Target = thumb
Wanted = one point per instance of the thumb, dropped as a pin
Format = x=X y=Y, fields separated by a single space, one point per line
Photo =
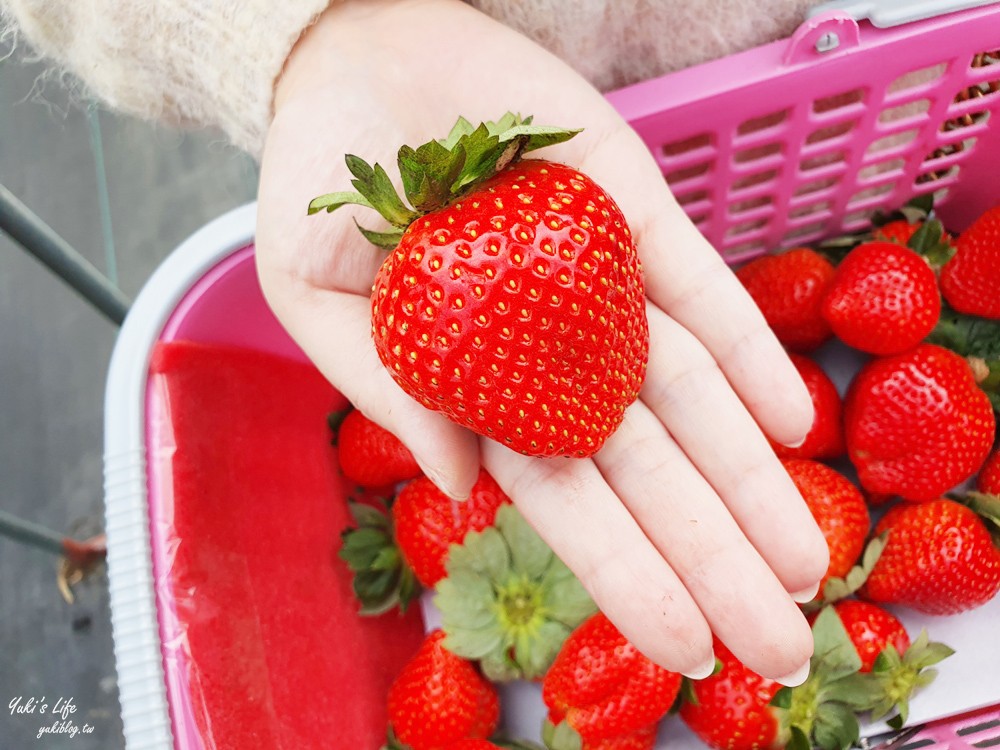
x=334 y=330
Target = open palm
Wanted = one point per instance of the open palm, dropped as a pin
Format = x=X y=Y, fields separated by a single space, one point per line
x=684 y=523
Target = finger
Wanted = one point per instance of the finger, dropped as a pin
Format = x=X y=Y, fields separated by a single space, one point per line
x=333 y=330
x=688 y=279
x=573 y=509
x=688 y=392
x=739 y=595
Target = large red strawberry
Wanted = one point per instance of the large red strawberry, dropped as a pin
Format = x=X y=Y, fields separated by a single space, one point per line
x=387 y=554
x=511 y=300
x=789 y=288
x=839 y=509
x=439 y=698
x=939 y=559
x=970 y=281
x=884 y=298
x=369 y=454
x=600 y=688
x=916 y=424
x=826 y=436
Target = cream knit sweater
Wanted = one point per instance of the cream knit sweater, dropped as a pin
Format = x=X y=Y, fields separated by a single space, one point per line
x=214 y=62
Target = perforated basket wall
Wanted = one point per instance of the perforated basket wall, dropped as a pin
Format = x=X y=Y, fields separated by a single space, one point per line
x=787 y=144
x=977 y=730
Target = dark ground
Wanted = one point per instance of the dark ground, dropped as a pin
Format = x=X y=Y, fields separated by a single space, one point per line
x=54 y=352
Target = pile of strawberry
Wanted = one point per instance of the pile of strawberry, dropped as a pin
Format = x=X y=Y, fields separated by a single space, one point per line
x=917 y=421
x=510 y=610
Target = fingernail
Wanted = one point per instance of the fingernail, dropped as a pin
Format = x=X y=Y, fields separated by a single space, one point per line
x=799 y=443
x=795 y=678
x=704 y=669
x=439 y=481
x=805 y=595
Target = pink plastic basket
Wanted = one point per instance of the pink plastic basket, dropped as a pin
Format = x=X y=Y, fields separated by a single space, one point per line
x=787 y=144
x=778 y=146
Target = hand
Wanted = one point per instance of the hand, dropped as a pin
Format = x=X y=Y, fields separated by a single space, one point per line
x=684 y=523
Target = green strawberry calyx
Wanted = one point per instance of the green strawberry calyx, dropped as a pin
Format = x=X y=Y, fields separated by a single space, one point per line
x=438 y=172
x=836 y=589
x=899 y=676
x=978 y=340
x=823 y=711
x=382 y=579
x=508 y=601
x=561 y=736
x=931 y=242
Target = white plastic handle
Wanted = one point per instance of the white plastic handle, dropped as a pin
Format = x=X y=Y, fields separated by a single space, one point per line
x=886 y=13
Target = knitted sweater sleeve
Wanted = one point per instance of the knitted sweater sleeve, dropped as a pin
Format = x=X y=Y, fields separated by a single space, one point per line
x=200 y=62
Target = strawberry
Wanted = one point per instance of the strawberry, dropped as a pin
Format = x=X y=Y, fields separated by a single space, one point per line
x=988 y=480
x=884 y=299
x=839 y=509
x=970 y=281
x=369 y=454
x=939 y=559
x=428 y=522
x=439 y=698
x=871 y=629
x=731 y=709
x=508 y=602
x=737 y=709
x=472 y=745
x=600 y=686
x=883 y=645
x=916 y=424
x=899 y=231
x=789 y=289
x=641 y=739
x=386 y=555
x=511 y=300
x=826 y=436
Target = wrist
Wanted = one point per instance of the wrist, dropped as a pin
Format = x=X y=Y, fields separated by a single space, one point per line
x=346 y=40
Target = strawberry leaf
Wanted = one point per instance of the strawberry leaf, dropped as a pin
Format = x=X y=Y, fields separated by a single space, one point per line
x=858 y=691
x=836 y=727
x=798 y=740
x=428 y=174
x=836 y=589
x=367 y=516
x=538 y=136
x=508 y=602
x=333 y=201
x=382 y=579
x=834 y=654
x=782 y=699
x=561 y=736
x=899 y=677
x=929 y=241
x=439 y=172
x=385 y=240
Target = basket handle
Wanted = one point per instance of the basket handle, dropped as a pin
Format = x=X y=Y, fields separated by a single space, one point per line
x=887 y=13
x=821 y=36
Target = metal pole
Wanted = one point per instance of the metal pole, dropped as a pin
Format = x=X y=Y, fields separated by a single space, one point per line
x=39 y=239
